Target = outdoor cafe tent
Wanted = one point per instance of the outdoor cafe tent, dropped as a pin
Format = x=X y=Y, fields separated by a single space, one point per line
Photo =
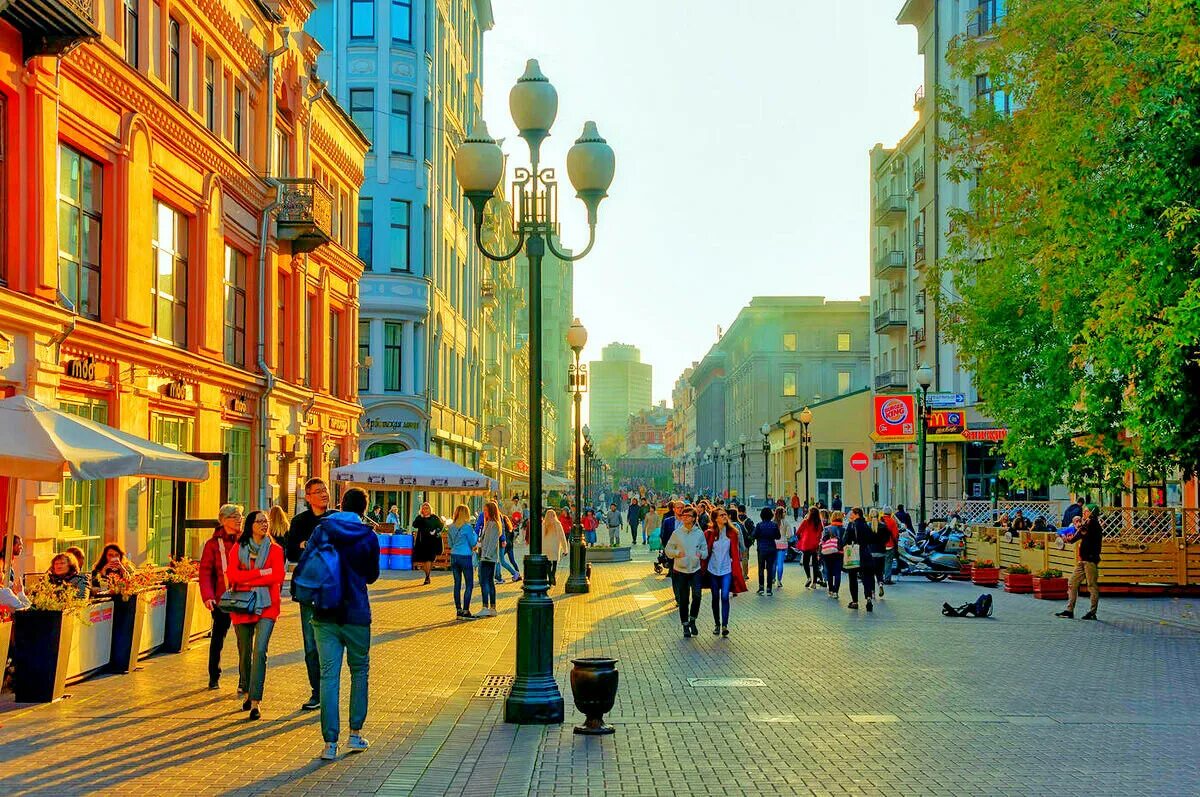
x=550 y=483
x=413 y=471
x=39 y=443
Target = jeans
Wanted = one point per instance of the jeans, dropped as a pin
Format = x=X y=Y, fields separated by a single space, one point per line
x=889 y=564
x=720 y=586
x=684 y=584
x=463 y=568
x=252 y=639
x=504 y=563
x=487 y=583
x=796 y=513
x=590 y=536
x=332 y=639
x=633 y=530
x=780 y=558
x=312 y=662
x=614 y=536
x=216 y=643
x=553 y=572
x=811 y=571
x=877 y=561
x=511 y=555
x=867 y=574
x=1085 y=572
x=833 y=567
x=766 y=568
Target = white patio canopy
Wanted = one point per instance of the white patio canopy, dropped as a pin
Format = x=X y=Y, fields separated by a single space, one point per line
x=413 y=471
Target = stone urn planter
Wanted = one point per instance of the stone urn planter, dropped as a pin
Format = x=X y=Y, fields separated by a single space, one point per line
x=1051 y=588
x=597 y=553
x=985 y=574
x=594 y=686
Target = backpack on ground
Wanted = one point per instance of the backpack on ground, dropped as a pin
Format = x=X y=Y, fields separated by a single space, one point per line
x=980 y=607
x=317 y=579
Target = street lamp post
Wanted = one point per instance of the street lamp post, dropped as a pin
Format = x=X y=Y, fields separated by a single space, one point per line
x=924 y=379
x=766 y=449
x=742 y=492
x=588 y=481
x=479 y=166
x=728 y=469
x=577 y=384
x=805 y=441
x=716 y=458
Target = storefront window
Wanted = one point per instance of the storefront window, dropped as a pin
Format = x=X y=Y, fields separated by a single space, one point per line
x=174 y=432
x=235 y=441
x=81 y=504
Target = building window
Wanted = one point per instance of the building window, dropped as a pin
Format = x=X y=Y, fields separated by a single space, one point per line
x=81 y=504
x=362 y=111
x=131 y=33
x=235 y=441
x=306 y=353
x=402 y=21
x=335 y=353
x=987 y=93
x=789 y=341
x=400 y=123
x=843 y=341
x=235 y=307
x=393 y=335
x=177 y=433
x=843 y=382
x=789 y=383
x=362 y=19
x=366 y=229
x=281 y=303
x=170 y=266
x=364 y=354
x=239 y=102
x=79 y=199
x=173 y=58
x=210 y=94
x=283 y=153
x=399 y=238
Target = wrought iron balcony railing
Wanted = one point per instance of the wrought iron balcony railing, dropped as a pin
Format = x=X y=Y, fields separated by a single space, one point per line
x=305 y=214
x=893 y=317
x=890 y=263
x=891 y=380
x=50 y=27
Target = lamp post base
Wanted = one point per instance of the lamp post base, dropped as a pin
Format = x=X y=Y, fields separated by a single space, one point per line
x=535 y=699
x=577 y=583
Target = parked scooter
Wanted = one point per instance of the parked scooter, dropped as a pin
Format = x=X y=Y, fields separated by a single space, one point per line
x=929 y=559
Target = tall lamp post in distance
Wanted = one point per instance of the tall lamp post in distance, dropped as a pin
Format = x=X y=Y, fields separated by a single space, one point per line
x=728 y=470
x=479 y=166
x=577 y=386
x=765 y=430
x=742 y=493
x=806 y=417
x=587 y=466
x=924 y=379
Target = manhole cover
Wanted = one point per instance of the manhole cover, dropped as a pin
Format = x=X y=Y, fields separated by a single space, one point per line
x=496 y=687
x=704 y=683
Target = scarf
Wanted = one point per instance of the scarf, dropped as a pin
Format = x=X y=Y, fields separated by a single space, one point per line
x=259 y=551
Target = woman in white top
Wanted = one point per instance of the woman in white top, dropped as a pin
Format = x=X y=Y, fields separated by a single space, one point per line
x=554 y=542
x=724 y=568
x=787 y=527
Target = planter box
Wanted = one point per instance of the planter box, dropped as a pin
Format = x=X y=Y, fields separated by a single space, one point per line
x=128 y=619
x=1050 y=589
x=154 y=621
x=620 y=554
x=91 y=643
x=962 y=575
x=985 y=576
x=5 y=636
x=42 y=642
x=186 y=616
x=1020 y=583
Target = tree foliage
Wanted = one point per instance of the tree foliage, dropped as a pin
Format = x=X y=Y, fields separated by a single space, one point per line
x=1076 y=272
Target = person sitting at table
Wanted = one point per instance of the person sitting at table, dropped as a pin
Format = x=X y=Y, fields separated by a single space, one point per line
x=393 y=517
x=64 y=573
x=1071 y=528
x=77 y=554
x=112 y=563
x=1039 y=524
x=1020 y=522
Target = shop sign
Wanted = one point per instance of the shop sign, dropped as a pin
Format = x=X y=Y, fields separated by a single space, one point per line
x=944 y=421
x=374 y=425
x=895 y=416
x=84 y=369
x=985 y=435
x=238 y=404
x=945 y=400
x=176 y=389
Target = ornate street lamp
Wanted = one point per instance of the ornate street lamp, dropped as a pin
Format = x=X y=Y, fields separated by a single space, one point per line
x=716 y=458
x=728 y=469
x=765 y=430
x=479 y=165
x=742 y=493
x=805 y=442
x=577 y=386
x=924 y=379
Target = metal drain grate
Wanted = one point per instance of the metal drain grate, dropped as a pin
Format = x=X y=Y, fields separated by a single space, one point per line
x=496 y=687
x=702 y=683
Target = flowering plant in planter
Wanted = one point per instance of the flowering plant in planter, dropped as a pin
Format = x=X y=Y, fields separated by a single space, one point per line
x=1049 y=572
x=1049 y=584
x=182 y=570
x=65 y=598
x=984 y=564
x=125 y=586
x=1018 y=570
x=1018 y=579
x=985 y=573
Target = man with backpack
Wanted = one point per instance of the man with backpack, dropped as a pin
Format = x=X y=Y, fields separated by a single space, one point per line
x=316 y=495
x=339 y=561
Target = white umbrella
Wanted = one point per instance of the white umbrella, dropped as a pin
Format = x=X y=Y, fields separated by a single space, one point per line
x=39 y=443
x=414 y=470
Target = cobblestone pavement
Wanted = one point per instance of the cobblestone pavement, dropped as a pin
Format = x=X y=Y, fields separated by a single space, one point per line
x=900 y=702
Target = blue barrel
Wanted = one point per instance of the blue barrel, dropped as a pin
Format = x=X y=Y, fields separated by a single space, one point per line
x=385 y=551
x=401 y=552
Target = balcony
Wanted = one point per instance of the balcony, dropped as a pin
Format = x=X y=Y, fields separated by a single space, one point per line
x=50 y=27
x=918 y=173
x=895 y=317
x=305 y=214
x=890 y=264
x=919 y=98
x=487 y=292
x=919 y=252
x=890 y=207
x=891 y=381
x=918 y=336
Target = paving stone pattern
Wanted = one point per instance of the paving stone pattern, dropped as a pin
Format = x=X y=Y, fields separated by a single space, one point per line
x=900 y=702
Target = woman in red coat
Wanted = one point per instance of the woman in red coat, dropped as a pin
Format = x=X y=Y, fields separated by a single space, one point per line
x=810 y=543
x=723 y=567
x=255 y=570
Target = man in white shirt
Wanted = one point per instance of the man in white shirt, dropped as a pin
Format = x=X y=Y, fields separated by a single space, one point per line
x=688 y=548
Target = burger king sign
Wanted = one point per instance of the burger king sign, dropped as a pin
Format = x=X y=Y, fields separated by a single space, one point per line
x=895 y=416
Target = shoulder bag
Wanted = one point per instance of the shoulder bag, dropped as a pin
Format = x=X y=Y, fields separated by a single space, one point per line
x=852 y=553
x=239 y=601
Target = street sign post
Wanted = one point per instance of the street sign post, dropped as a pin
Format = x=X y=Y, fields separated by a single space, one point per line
x=945 y=401
x=860 y=462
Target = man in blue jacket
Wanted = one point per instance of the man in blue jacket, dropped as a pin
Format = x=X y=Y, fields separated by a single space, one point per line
x=348 y=627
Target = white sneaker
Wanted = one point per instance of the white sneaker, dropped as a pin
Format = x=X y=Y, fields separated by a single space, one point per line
x=357 y=743
x=330 y=753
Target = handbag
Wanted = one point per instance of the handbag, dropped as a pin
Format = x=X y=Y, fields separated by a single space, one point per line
x=240 y=601
x=851 y=556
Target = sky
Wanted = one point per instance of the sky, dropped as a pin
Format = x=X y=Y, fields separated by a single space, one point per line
x=742 y=130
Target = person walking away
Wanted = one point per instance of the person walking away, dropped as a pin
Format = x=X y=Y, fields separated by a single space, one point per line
x=765 y=535
x=836 y=503
x=316 y=495
x=650 y=521
x=831 y=552
x=781 y=544
x=810 y=544
x=613 y=521
x=279 y=524
x=1089 y=540
x=214 y=564
x=554 y=542
x=346 y=628
x=635 y=520
x=745 y=540
x=902 y=517
x=889 y=547
x=256 y=569
x=858 y=533
x=879 y=552
x=463 y=540
x=427 y=539
x=687 y=549
x=724 y=568
x=795 y=505
x=508 y=559
x=589 y=524
x=490 y=544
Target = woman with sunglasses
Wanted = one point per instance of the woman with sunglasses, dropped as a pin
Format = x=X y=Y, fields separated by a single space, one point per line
x=724 y=567
x=255 y=572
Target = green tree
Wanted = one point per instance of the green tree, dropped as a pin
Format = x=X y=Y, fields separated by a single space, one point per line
x=1075 y=294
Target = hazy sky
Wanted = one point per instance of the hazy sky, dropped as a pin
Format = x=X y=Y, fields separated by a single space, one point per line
x=742 y=132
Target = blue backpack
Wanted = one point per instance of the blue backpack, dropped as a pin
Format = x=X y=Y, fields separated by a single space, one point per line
x=317 y=579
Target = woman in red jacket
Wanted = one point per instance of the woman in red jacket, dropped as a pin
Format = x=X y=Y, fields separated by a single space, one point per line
x=810 y=544
x=255 y=574
x=214 y=564
x=723 y=567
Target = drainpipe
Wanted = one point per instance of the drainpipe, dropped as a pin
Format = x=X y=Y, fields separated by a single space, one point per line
x=937 y=208
x=61 y=337
x=264 y=437
x=321 y=87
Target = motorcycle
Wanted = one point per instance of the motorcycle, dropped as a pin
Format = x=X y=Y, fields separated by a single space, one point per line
x=931 y=559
